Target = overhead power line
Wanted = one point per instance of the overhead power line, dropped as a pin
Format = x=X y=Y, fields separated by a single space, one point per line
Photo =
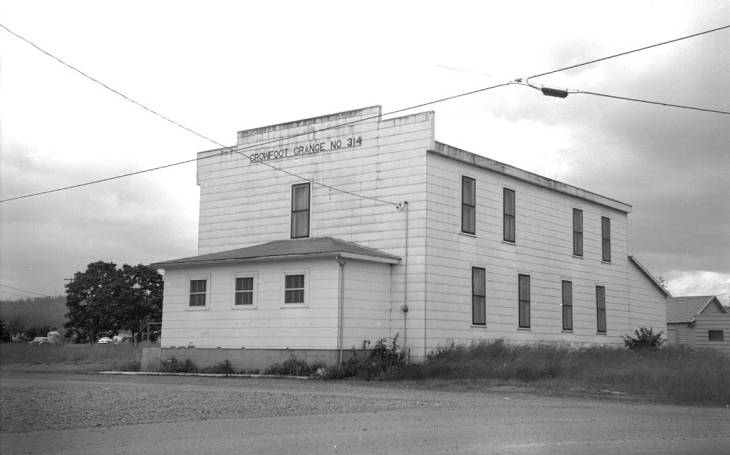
x=563 y=93
x=620 y=54
x=23 y=290
x=238 y=150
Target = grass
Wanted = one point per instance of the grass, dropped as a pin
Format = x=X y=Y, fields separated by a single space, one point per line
x=671 y=374
x=84 y=357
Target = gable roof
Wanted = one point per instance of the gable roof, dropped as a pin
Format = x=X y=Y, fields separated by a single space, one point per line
x=684 y=309
x=644 y=270
x=285 y=249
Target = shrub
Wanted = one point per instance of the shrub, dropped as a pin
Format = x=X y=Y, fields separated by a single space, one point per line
x=292 y=367
x=643 y=339
x=381 y=361
x=173 y=365
x=223 y=367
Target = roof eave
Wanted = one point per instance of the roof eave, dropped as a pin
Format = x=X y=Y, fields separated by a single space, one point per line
x=280 y=257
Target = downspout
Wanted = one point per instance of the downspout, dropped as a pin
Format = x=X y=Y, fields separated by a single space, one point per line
x=404 y=308
x=340 y=308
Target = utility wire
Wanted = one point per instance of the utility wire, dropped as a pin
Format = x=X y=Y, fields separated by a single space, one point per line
x=518 y=81
x=660 y=103
x=23 y=290
x=590 y=62
x=565 y=93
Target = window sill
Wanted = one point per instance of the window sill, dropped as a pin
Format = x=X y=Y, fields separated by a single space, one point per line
x=578 y=257
x=602 y=334
x=467 y=234
x=243 y=307
x=507 y=242
x=479 y=326
x=524 y=329
x=606 y=262
x=566 y=331
x=198 y=308
x=294 y=305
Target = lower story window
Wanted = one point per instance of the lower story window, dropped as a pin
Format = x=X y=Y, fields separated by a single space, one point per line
x=601 y=309
x=294 y=289
x=478 y=297
x=244 y=290
x=715 y=335
x=524 y=301
x=198 y=290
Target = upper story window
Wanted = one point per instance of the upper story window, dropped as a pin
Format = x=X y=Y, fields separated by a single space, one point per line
x=478 y=296
x=294 y=288
x=244 y=290
x=606 y=238
x=300 y=210
x=567 y=305
x=601 y=309
x=198 y=292
x=578 y=232
x=468 y=205
x=509 y=215
x=524 y=301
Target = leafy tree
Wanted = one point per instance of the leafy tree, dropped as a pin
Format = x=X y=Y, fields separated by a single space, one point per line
x=105 y=299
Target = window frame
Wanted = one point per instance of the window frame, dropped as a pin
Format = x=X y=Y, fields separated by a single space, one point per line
x=304 y=289
x=475 y=298
x=601 y=323
x=206 y=294
x=294 y=211
x=522 y=303
x=711 y=332
x=253 y=290
x=509 y=216
x=605 y=239
x=472 y=205
x=577 y=232
x=567 y=305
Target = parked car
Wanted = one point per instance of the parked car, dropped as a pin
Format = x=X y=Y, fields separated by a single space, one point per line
x=104 y=340
x=122 y=338
x=40 y=340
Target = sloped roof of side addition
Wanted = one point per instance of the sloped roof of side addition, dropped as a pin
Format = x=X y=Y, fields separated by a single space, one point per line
x=684 y=309
x=285 y=249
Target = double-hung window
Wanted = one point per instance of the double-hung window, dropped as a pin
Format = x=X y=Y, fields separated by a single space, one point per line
x=577 y=232
x=508 y=215
x=715 y=335
x=244 y=290
x=294 y=288
x=601 y=309
x=478 y=296
x=567 y=305
x=524 y=301
x=606 y=238
x=468 y=205
x=198 y=292
x=300 y=210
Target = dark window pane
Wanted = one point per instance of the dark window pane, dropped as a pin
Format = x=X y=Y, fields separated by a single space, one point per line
x=244 y=298
x=478 y=281
x=601 y=308
x=244 y=284
x=525 y=314
x=468 y=191
x=479 y=311
x=197 y=285
x=468 y=219
x=478 y=300
x=715 y=335
x=197 y=299
x=468 y=205
x=524 y=300
x=300 y=197
x=567 y=305
x=509 y=202
x=578 y=232
x=300 y=224
x=294 y=281
x=509 y=228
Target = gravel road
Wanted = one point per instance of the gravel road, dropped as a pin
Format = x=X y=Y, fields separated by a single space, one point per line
x=79 y=414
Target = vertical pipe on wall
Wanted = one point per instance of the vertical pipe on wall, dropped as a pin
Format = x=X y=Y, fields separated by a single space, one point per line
x=340 y=308
x=405 y=290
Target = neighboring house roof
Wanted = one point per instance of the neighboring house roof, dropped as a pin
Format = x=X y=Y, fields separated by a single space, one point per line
x=644 y=270
x=684 y=309
x=286 y=249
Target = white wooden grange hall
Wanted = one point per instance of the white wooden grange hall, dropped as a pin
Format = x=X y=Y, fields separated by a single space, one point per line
x=375 y=229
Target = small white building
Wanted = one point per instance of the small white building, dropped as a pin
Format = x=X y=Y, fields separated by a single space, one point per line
x=699 y=321
x=318 y=234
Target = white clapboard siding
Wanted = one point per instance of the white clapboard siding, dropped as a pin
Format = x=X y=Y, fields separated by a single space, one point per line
x=712 y=321
x=648 y=303
x=543 y=250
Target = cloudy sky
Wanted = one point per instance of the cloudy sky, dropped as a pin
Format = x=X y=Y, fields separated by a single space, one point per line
x=221 y=67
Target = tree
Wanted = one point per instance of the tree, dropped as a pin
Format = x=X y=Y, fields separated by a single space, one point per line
x=105 y=299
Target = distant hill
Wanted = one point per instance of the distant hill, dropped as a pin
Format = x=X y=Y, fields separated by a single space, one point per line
x=35 y=312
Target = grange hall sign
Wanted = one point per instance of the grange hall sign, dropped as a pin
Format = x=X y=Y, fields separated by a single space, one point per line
x=310 y=148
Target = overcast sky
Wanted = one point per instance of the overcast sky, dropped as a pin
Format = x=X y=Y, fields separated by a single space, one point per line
x=221 y=67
